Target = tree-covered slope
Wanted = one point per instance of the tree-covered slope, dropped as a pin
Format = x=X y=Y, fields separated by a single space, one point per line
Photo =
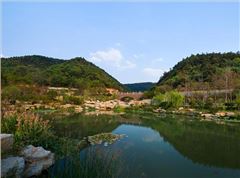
x=136 y=87
x=44 y=71
x=201 y=71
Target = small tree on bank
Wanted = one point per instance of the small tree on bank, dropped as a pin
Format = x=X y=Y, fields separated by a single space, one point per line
x=172 y=99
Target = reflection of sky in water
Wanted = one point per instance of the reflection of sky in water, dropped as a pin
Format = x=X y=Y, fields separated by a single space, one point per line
x=152 y=137
x=147 y=154
x=172 y=150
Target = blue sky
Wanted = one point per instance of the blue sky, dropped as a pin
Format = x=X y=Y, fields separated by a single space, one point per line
x=134 y=42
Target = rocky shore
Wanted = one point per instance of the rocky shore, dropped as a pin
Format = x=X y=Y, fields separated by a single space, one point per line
x=88 y=105
x=193 y=112
x=29 y=161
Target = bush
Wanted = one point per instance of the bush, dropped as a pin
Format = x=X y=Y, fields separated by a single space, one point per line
x=231 y=106
x=51 y=94
x=175 y=99
x=126 y=99
x=8 y=123
x=27 y=128
x=11 y=93
x=118 y=109
x=170 y=99
x=237 y=100
x=73 y=100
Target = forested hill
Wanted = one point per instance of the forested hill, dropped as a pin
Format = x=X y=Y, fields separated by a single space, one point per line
x=204 y=71
x=135 y=87
x=45 y=71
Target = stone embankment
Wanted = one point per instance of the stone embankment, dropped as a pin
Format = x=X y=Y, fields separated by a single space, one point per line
x=30 y=161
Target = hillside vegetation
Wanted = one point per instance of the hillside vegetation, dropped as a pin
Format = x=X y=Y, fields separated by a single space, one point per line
x=136 y=87
x=45 y=71
x=203 y=72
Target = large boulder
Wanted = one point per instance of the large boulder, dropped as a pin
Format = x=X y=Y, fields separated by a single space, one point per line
x=6 y=142
x=37 y=159
x=12 y=167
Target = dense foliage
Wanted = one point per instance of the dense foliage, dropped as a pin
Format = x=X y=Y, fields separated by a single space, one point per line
x=204 y=71
x=44 y=71
x=136 y=87
x=170 y=99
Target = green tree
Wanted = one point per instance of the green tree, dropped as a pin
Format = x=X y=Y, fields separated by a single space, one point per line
x=174 y=98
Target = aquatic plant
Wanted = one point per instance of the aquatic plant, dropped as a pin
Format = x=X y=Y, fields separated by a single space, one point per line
x=106 y=138
x=92 y=162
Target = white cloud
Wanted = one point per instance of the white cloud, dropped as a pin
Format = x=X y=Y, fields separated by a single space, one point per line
x=112 y=57
x=153 y=72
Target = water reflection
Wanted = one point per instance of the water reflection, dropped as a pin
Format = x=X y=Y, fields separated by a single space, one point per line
x=169 y=146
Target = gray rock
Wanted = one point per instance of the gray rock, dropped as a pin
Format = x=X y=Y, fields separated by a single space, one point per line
x=12 y=166
x=6 y=142
x=36 y=167
x=32 y=153
x=37 y=160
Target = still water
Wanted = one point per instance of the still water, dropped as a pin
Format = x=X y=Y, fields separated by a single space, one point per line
x=165 y=146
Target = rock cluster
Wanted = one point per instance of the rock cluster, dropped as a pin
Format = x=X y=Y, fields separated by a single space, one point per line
x=111 y=104
x=31 y=162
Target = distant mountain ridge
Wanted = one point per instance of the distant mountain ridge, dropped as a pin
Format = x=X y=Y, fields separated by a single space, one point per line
x=47 y=71
x=139 y=87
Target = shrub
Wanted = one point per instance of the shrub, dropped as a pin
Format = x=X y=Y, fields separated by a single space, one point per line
x=51 y=94
x=11 y=93
x=126 y=99
x=73 y=100
x=175 y=99
x=171 y=99
x=31 y=129
x=118 y=109
x=237 y=100
x=8 y=123
x=231 y=106
x=27 y=128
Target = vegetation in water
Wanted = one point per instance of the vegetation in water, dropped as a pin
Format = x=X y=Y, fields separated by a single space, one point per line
x=106 y=138
x=91 y=162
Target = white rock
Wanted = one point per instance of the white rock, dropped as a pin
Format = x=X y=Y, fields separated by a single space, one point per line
x=230 y=114
x=12 y=167
x=35 y=153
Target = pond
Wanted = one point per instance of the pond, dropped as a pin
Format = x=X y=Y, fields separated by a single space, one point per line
x=165 y=146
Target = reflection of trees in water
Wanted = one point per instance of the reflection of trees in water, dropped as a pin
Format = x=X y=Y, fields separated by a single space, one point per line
x=202 y=142
x=79 y=126
x=94 y=161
